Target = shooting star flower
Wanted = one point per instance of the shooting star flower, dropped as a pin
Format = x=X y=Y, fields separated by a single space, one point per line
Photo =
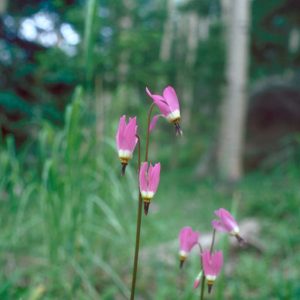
x=126 y=140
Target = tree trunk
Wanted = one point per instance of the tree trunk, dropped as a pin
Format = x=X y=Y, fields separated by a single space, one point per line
x=3 y=6
x=125 y=25
x=234 y=105
x=166 y=43
x=226 y=15
x=190 y=59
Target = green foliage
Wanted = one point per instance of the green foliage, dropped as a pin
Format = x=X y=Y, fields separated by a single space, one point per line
x=89 y=38
x=14 y=103
x=64 y=217
x=68 y=222
x=272 y=22
x=203 y=8
x=68 y=219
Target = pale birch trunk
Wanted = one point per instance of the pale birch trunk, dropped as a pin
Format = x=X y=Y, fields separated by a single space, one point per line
x=3 y=6
x=168 y=33
x=125 y=25
x=192 y=40
x=226 y=14
x=234 y=105
x=294 y=40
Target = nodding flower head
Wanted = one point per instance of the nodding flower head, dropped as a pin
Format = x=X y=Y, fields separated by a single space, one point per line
x=212 y=265
x=168 y=105
x=149 y=180
x=226 y=223
x=187 y=240
x=126 y=140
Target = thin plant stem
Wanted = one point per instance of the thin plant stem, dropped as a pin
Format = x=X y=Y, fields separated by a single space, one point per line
x=200 y=248
x=148 y=131
x=138 y=230
x=202 y=285
x=212 y=241
x=203 y=276
x=140 y=206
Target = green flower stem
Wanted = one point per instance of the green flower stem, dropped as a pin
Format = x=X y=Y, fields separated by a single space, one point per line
x=140 y=207
x=202 y=285
x=138 y=230
x=212 y=242
x=148 y=130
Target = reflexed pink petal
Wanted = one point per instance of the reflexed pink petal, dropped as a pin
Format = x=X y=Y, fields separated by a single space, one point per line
x=130 y=134
x=160 y=102
x=148 y=92
x=218 y=212
x=226 y=219
x=188 y=239
x=217 y=225
x=212 y=263
x=149 y=175
x=183 y=238
x=142 y=177
x=153 y=96
x=120 y=132
x=163 y=107
x=153 y=122
x=171 y=98
x=218 y=262
x=206 y=262
x=194 y=237
x=223 y=213
x=154 y=177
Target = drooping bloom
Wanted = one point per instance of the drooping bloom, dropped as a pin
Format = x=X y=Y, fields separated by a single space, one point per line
x=226 y=223
x=149 y=180
x=187 y=240
x=168 y=105
x=126 y=140
x=212 y=265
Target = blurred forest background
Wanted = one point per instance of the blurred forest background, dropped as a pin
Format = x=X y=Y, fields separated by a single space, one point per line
x=71 y=68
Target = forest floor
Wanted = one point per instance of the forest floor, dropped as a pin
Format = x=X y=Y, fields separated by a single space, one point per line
x=270 y=198
x=68 y=227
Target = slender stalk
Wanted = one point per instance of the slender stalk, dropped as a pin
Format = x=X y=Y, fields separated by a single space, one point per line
x=202 y=276
x=202 y=286
x=148 y=131
x=138 y=230
x=140 y=206
x=212 y=241
x=200 y=248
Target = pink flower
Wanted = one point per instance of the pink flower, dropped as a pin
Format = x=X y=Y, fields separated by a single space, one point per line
x=212 y=265
x=168 y=105
x=187 y=240
x=149 y=180
x=226 y=223
x=126 y=140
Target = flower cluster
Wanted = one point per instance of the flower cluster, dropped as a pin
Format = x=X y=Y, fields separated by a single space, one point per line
x=127 y=138
x=211 y=261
